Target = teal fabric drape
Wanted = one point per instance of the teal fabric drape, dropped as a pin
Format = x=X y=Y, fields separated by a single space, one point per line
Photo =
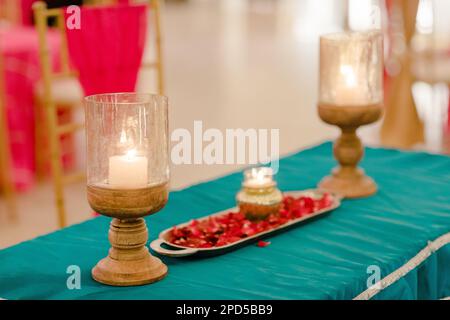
x=325 y=259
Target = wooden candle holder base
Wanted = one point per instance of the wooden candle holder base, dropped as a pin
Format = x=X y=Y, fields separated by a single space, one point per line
x=347 y=179
x=350 y=182
x=129 y=263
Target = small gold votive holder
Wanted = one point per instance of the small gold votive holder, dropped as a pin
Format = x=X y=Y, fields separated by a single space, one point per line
x=259 y=196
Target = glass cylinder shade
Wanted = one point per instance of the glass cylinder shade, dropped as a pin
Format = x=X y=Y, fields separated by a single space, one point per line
x=351 y=69
x=127 y=153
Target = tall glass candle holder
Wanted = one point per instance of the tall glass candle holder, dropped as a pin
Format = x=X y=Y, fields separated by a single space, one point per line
x=350 y=95
x=127 y=179
x=259 y=196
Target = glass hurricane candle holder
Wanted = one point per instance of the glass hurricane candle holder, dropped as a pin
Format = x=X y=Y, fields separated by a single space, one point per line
x=127 y=179
x=350 y=95
x=259 y=196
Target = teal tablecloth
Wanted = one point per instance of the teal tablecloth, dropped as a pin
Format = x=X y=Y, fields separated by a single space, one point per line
x=326 y=259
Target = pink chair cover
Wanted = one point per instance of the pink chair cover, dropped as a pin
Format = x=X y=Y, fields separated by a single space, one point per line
x=27 y=11
x=108 y=49
x=19 y=47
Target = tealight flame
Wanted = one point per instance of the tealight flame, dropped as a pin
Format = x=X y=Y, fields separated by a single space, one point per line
x=261 y=174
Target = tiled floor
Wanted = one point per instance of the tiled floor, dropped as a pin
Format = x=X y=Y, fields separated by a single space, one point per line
x=231 y=64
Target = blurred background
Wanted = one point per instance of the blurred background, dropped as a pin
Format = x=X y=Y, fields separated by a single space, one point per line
x=231 y=64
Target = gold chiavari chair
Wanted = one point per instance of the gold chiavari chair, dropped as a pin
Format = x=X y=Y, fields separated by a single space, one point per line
x=402 y=127
x=100 y=2
x=48 y=96
x=51 y=98
x=6 y=180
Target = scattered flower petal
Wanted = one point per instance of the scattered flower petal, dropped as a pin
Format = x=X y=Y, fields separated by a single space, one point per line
x=230 y=227
x=263 y=244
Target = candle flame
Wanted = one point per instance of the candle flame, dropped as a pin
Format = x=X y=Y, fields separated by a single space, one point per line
x=131 y=154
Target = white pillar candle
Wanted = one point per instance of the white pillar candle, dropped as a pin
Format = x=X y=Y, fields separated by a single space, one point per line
x=128 y=171
x=349 y=91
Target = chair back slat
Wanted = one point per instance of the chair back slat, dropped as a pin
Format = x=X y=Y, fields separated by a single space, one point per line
x=159 y=58
x=41 y=16
x=61 y=25
x=6 y=178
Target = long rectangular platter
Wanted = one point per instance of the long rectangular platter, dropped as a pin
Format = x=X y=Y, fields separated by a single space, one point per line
x=163 y=246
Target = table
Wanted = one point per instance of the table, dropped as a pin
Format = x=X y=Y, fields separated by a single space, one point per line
x=19 y=46
x=326 y=259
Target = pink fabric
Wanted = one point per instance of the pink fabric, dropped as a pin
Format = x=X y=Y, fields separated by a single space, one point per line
x=27 y=12
x=108 y=49
x=19 y=47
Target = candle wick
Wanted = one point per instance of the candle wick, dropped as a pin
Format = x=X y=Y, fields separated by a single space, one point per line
x=123 y=137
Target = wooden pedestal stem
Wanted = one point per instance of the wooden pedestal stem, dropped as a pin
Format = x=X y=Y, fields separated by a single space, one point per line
x=129 y=262
x=347 y=179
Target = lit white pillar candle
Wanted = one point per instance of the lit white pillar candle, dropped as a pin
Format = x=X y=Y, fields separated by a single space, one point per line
x=349 y=91
x=128 y=171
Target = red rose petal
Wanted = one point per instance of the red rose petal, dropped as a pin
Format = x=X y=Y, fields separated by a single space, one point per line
x=233 y=226
x=263 y=244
